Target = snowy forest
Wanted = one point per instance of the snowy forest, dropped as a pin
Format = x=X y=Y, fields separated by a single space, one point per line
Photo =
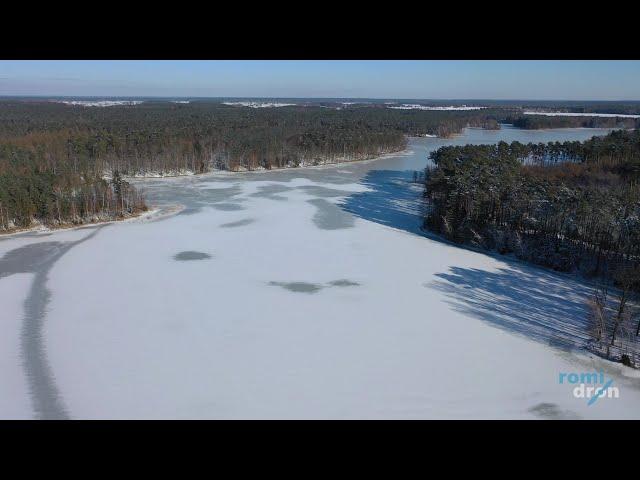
x=64 y=164
x=573 y=207
x=570 y=206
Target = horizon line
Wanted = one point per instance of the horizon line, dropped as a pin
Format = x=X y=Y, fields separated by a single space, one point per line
x=318 y=98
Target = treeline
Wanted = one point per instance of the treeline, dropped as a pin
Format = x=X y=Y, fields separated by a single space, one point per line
x=534 y=122
x=165 y=137
x=569 y=206
x=31 y=192
x=55 y=158
x=629 y=108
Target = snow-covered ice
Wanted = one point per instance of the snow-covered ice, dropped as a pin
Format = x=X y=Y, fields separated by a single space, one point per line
x=301 y=293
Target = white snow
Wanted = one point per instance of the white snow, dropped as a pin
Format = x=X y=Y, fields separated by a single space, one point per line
x=151 y=174
x=259 y=104
x=429 y=331
x=100 y=103
x=577 y=114
x=415 y=106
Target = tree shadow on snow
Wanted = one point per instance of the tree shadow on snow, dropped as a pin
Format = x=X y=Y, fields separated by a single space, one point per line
x=393 y=199
x=532 y=302
x=539 y=304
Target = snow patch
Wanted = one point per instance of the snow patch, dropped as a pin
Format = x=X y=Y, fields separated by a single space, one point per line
x=100 y=103
x=577 y=114
x=166 y=173
x=259 y=104
x=415 y=106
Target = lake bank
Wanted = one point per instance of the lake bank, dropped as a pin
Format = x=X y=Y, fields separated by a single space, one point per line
x=47 y=229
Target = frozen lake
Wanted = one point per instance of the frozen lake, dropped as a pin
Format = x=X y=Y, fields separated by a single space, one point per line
x=301 y=293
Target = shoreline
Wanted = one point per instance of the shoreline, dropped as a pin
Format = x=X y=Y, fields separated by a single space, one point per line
x=150 y=214
x=229 y=173
x=154 y=176
x=405 y=151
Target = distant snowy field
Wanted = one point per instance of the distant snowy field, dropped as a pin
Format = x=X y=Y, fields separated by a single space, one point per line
x=575 y=114
x=100 y=103
x=259 y=104
x=407 y=106
x=293 y=294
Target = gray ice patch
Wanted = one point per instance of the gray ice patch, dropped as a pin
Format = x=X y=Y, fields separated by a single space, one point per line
x=329 y=216
x=227 y=207
x=220 y=194
x=298 y=287
x=343 y=283
x=190 y=255
x=551 y=411
x=30 y=258
x=270 y=192
x=239 y=223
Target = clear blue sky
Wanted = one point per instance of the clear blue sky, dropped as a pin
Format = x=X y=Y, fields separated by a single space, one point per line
x=570 y=80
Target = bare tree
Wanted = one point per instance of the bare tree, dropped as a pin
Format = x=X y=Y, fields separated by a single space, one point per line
x=598 y=315
x=628 y=279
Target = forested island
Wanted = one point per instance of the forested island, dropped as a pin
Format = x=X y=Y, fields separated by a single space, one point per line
x=573 y=207
x=64 y=163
